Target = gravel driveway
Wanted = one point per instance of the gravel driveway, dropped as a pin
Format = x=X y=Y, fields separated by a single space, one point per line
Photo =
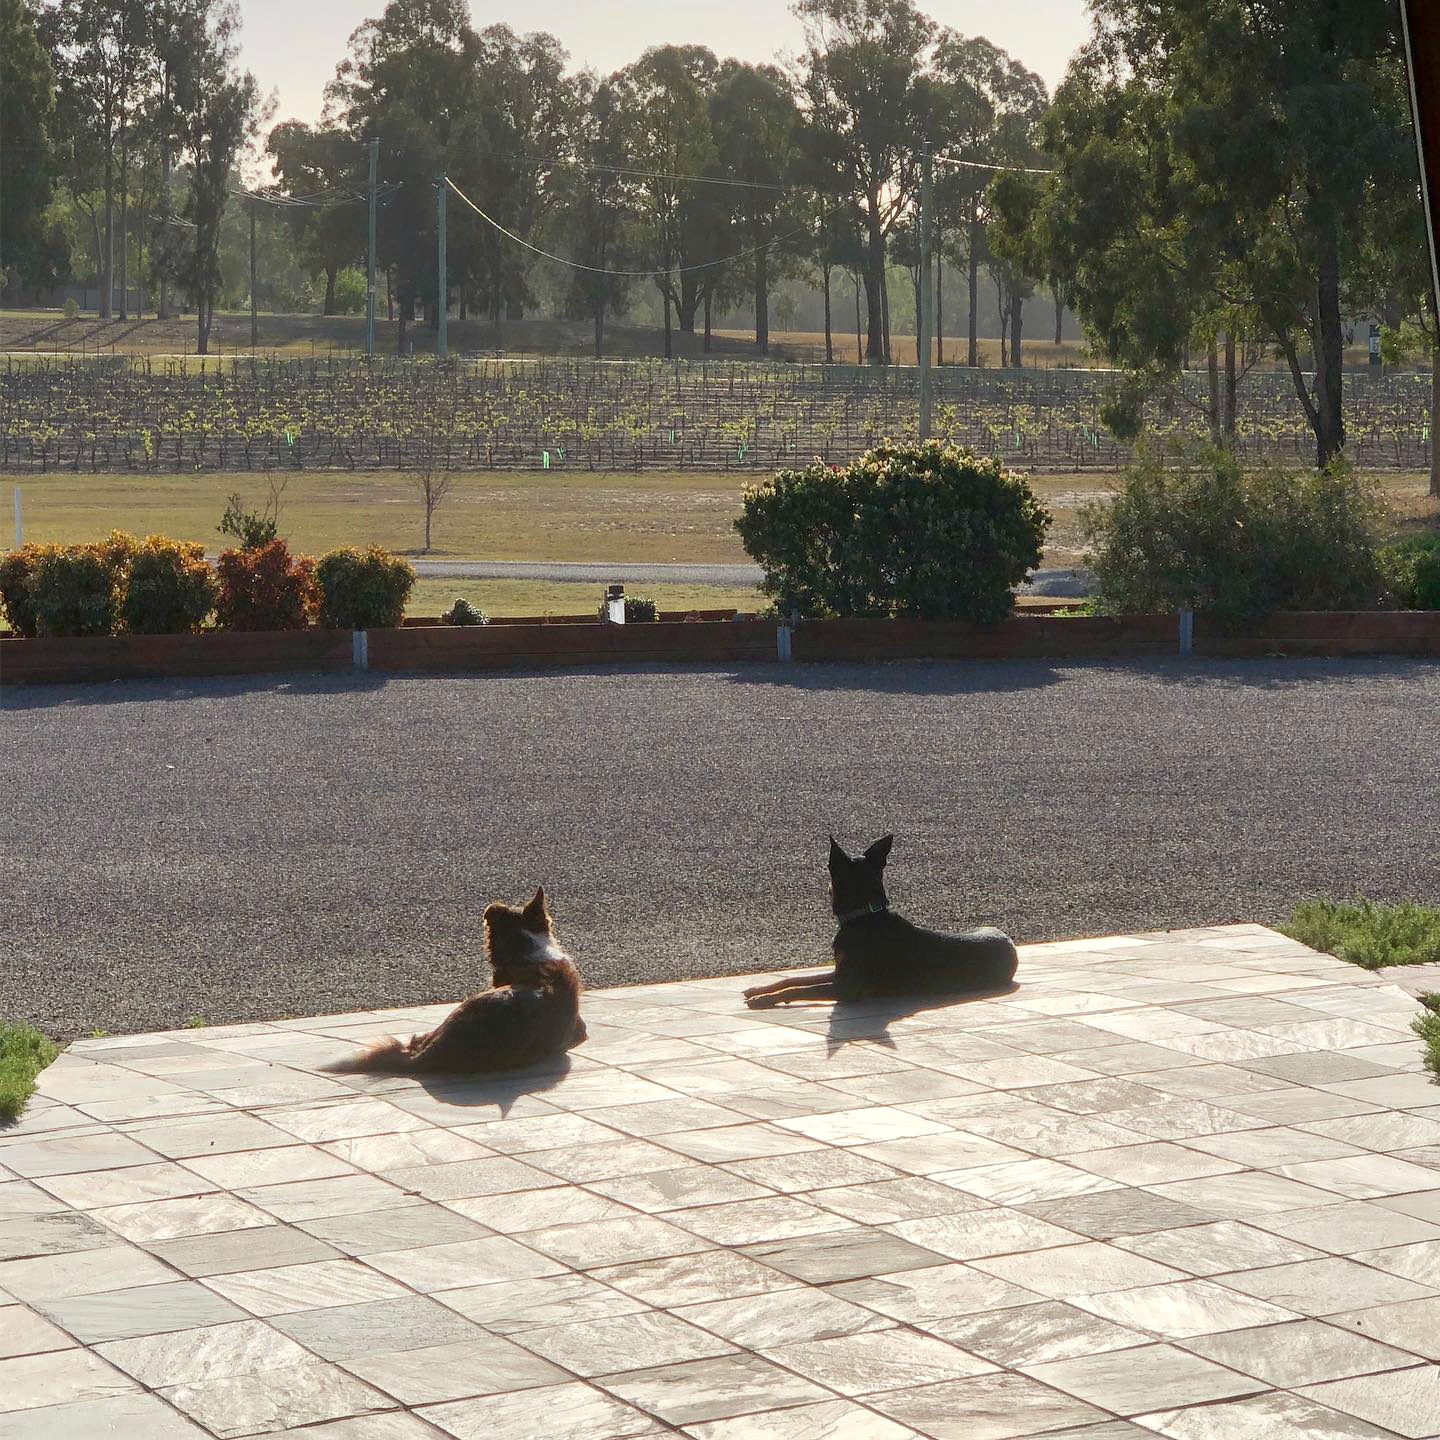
x=257 y=848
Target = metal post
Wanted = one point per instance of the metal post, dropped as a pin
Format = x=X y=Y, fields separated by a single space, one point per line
x=254 y=312
x=923 y=320
x=442 y=287
x=374 y=148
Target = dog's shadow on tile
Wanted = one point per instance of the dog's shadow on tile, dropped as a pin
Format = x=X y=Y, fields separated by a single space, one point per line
x=503 y=1089
x=870 y=1020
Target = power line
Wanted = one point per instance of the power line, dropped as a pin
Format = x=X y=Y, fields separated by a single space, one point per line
x=658 y=174
x=996 y=169
x=618 y=274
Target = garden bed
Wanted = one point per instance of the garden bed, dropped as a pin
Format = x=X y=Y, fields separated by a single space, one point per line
x=559 y=641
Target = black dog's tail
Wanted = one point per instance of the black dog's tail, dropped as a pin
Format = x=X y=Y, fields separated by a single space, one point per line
x=387 y=1056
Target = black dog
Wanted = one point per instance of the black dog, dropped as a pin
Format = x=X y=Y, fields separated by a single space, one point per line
x=878 y=953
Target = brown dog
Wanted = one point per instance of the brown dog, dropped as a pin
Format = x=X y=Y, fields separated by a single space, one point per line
x=530 y=1014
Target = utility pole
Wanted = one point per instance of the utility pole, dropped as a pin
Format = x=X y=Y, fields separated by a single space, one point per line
x=442 y=287
x=374 y=148
x=923 y=320
x=254 y=312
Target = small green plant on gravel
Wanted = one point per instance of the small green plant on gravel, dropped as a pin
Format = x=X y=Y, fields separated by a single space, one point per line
x=1411 y=568
x=1427 y=1027
x=462 y=612
x=195 y=1022
x=1210 y=536
x=265 y=589
x=171 y=589
x=639 y=610
x=98 y=1034
x=24 y=1053
x=908 y=530
x=1368 y=934
x=77 y=589
x=363 y=589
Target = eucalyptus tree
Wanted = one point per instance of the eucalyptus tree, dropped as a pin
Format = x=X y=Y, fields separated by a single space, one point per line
x=29 y=158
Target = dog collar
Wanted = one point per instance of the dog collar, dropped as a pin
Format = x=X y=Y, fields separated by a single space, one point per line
x=875 y=907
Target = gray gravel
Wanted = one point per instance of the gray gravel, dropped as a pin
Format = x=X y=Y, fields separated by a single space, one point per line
x=266 y=847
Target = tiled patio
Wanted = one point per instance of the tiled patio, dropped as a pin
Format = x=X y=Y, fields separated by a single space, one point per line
x=1185 y=1184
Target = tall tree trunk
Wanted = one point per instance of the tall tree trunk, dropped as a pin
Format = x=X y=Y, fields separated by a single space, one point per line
x=1435 y=420
x=162 y=310
x=915 y=283
x=974 y=276
x=874 y=287
x=407 y=308
x=762 y=302
x=1017 y=332
x=464 y=301
x=665 y=296
x=1330 y=349
x=885 y=312
x=829 y=340
x=939 y=303
x=1212 y=408
x=107 y=258
x=859 y=349
x=1003 y=308
x=599 y=328
x=331 y=271
x=709 y=316
x=142 y=289
x=389 y=298
x=1228 y=410
x=687 y=303
x=124 y=219
x=1059 y=321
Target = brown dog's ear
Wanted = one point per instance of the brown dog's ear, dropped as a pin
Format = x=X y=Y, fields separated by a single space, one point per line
x=879 y=852
x=837 y=855
x=493 y=909
x=536 y=916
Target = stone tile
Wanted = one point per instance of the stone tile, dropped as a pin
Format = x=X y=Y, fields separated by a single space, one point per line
x=712 y=1389
x=1326 y=1287
x=23 y=1332
x=690 y=1279
x=170 y=1219
x=1181 y=1119
x=1398 y=1130
x=1303 y=1352
x=124 y=1415
x=627 y=1342
x=866 y=1125
x=1113 y=1213
x=20 y=1198
x=209 y=1135
x=1298 y=1105
x=997 y=1231
x=1025 y=1180
x=887 y=1201
x=430 y=1268
x=1405 y=1401
x=987 y=1407
x=1346 y=1228
x=340 y=1332
x=61 y=1377
x=186 y=1357
x=523 y=1210
x=936 y=1293
x=497 y=1175
x=436 y=1373
x=575 y=1411
x=88 y=1272
x=878 y=1360
x=1130 y=1381
x=1246 y=1195
x=286 y=1288
x=149 y=1310
x=74 y=1154
x=408 y=1227
x=746 y=1222
x=1213 y=1249
x=1035 y=1334
x=1420 y=1263
x=405 y=1150
x=1074 y=1270
x=283 y=1399
x=677 y=1189
x=812 y=1170
x=1412 y=1325
x=28 y=1236
x=738 y=1142
x=246 y=1168
x=133 y=1185
x=1149 y=1164
x=342 y=1120
x=509 y=1306
x=1270 y=1148
x=843 y=1255
x=828 y=1420
x=542 y=1132
x=1398 y=1092
x=1274 y=1416
x=932 y=1154
x=613 y=1242
x=303 y=1200
x=1363 y=1177
x=1185 y=1308
x=200 y=1255
x=781 y=1317
x=390 y=1426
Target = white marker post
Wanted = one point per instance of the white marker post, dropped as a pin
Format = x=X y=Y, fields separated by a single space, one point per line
x=19 y=521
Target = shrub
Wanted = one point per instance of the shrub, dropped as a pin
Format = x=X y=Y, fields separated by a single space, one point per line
x=1427 y=1026
x=17 y=570
x=363 y=589
x=1368 y=934
x=1411 y=568
x=172 y=589
x=639 y=610
x=928 y=530
x=1210 y=537
x=77 y=589
x=254 y=529
x=265 y=589
x=462 y=612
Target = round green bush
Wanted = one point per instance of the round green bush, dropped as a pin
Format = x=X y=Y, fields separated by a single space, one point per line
x=171 y=589
x=17 y=570
x=363 y=589
x=462 y=612
x=926 y=530
x=77 y=589
x=1207 y=535
x=1411 y=568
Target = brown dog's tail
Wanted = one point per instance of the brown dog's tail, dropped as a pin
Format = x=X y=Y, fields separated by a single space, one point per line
x=387 y=1056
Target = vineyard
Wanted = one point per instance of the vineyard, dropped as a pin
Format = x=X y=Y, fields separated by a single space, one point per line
x=136 y=414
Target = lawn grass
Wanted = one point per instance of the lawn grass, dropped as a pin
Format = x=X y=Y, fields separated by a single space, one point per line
x=1368 y=934
x=24 y=1053
x=570 y=597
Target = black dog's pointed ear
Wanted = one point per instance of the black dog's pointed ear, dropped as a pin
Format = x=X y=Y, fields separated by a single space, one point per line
x=535 y=915
x=837 y=855
x=879 y=852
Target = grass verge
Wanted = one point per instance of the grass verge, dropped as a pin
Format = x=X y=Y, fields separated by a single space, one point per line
x=1427 y=1027
x=24 y=1053
x=1368 y=934
x=571 y=597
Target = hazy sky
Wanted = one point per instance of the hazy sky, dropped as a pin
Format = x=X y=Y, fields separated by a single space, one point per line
x=293 y=46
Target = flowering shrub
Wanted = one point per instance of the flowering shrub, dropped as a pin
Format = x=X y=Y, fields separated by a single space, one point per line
x=266 y=589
